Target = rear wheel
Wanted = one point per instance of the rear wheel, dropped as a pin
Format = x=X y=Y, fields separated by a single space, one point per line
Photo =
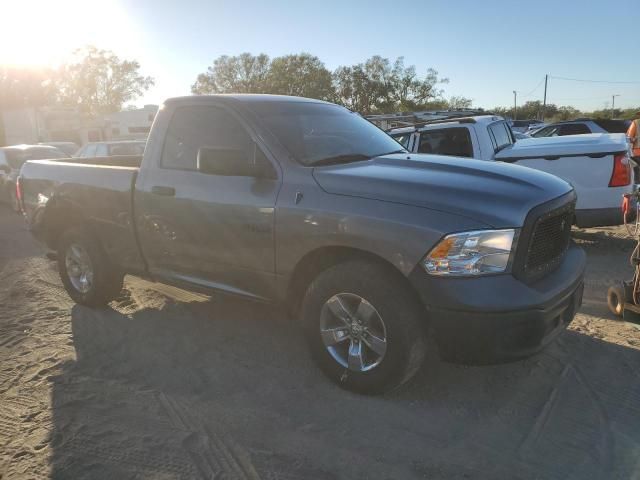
x=86 y=273
x=363 y=327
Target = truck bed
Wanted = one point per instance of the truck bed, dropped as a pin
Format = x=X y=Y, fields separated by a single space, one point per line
x=99 y=192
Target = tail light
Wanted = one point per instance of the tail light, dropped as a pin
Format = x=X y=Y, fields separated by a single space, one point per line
x=19 y=192
x=621 y=175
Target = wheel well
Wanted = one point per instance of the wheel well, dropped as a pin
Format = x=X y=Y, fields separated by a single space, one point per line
x=61 y=218
x=316 y=261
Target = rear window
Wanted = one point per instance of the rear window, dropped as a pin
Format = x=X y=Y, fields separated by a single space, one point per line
x=562 y=130
x=126 y=149
x=447 y=141
x=614 y=126
x=574 y=129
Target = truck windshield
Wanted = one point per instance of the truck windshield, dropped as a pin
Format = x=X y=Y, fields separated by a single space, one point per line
x=322 y=134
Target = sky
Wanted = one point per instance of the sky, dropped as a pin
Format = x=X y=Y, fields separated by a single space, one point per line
x=487 y=49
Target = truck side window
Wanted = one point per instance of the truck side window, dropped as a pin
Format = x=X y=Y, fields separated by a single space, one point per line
x=200 y=126
x=402 y=139
x=446 y=141
x=501 y=135
x=551 y=131
x=574 y=129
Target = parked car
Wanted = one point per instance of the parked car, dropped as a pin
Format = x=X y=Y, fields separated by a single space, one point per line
x=583 y=126
x=520 y=136
x=522 y=126
x=597 y=165
x=12 y=159
x=110 y=149
x=534 y=128
x=299 y=201
x=67 y=147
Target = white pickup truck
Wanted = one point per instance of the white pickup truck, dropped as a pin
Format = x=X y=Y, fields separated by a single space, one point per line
x=597 y=165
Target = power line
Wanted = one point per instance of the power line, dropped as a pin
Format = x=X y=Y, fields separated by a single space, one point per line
x=536 y=88
x=594 y=81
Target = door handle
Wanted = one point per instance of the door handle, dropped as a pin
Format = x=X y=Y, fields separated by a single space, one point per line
x=162 y=190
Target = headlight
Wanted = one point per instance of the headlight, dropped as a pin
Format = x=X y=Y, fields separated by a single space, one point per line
x=472 y=253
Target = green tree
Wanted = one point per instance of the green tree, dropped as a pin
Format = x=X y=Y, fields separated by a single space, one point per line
x=357 y=90
x=459 y=103
x=566 y=112
x=378 y=86
x=98 y=81
x=244 y=73
x=375 y=86
x=301 y=75
x=528 y=110
x=410 y=92
x=623 y=114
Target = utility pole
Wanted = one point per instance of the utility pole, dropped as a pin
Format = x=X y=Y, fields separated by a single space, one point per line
x=544 y=102
x=613 y=104
x=515 y=105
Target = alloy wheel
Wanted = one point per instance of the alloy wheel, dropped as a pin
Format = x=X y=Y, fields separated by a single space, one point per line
x=353 y=332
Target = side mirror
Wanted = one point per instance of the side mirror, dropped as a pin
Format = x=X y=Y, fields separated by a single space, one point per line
x=232 y=162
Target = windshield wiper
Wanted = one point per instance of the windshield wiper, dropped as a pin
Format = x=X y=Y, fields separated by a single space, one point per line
x=338 y=159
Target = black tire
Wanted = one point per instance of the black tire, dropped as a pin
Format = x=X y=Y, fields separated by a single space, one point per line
x=403 y=317
x=107 y=281
x=616 y=300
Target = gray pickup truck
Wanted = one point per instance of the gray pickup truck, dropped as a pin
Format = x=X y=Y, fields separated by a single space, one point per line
x=303 y=202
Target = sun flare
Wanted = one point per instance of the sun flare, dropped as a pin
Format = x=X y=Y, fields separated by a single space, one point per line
x=40 y=33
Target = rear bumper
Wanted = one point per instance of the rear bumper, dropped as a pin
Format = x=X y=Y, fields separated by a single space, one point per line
x=499 y=318
x=599 y=217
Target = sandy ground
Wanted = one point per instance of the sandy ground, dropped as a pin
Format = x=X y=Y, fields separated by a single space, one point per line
x=168 y=384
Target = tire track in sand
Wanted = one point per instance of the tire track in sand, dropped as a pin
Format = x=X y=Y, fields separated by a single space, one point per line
x=214 y=456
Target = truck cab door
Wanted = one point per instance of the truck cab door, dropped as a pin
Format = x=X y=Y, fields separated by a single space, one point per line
x=206 y=210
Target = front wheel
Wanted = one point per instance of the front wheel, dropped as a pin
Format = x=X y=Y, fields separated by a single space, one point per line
x=85 y=271
x=364 y=327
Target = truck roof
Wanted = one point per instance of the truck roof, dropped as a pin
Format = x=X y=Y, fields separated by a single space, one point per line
x=483 y=119
x=245 y=98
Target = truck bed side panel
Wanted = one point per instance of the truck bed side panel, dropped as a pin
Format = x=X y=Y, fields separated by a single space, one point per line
x=59 y=194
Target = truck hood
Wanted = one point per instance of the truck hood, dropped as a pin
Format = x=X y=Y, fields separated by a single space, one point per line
x=497 y=194
x=594 y=144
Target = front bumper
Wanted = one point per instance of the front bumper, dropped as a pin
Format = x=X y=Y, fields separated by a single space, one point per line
x=499 y=318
